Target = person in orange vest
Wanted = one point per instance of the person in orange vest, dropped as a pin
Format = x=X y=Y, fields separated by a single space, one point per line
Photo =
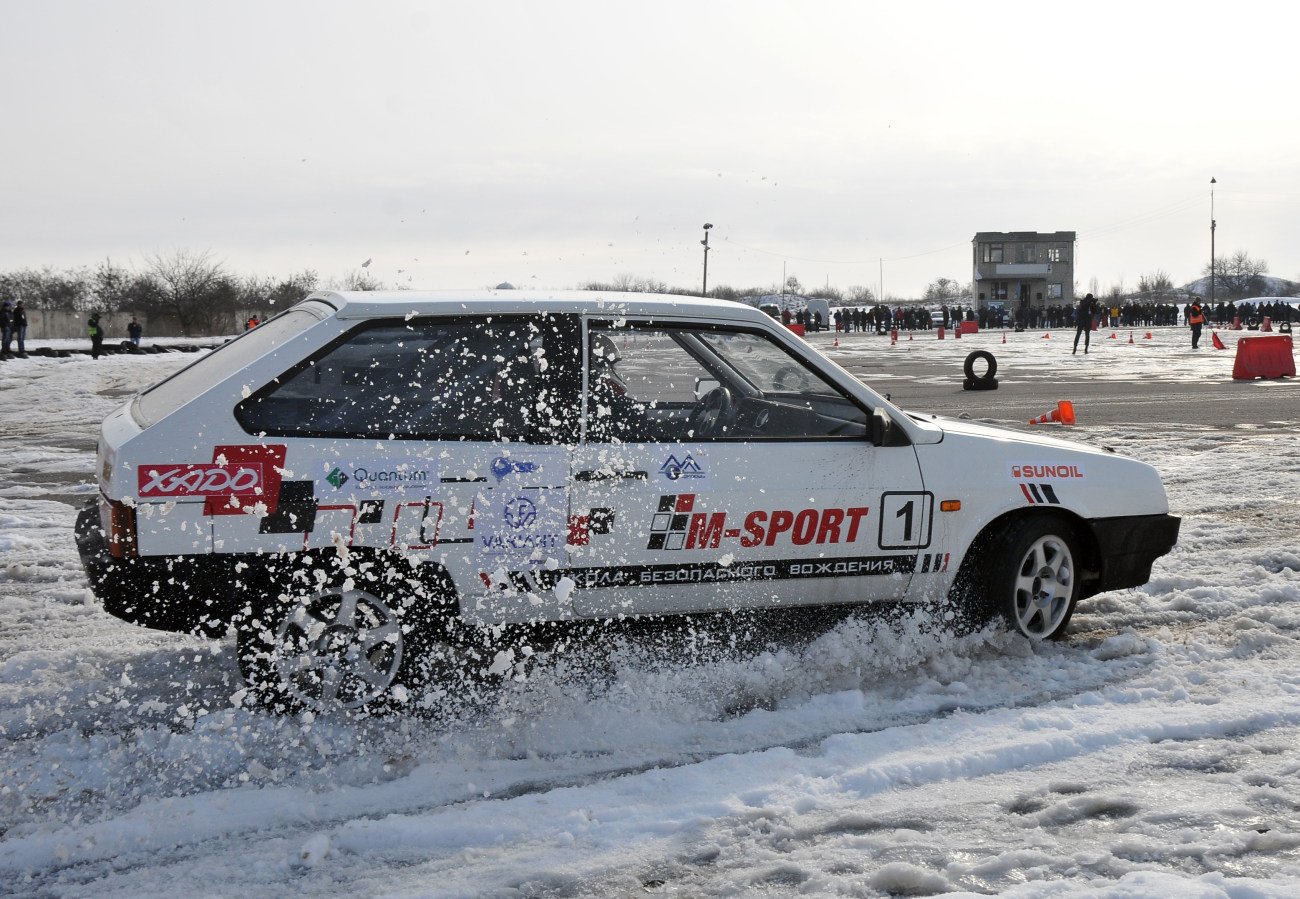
x=1195 y=319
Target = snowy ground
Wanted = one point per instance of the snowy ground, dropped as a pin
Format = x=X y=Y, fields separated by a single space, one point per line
x=1154 y=753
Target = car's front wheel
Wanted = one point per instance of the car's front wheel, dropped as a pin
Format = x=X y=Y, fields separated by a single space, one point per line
x=1033 y=576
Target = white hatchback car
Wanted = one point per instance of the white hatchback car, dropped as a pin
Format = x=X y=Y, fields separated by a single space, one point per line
x=358 y=481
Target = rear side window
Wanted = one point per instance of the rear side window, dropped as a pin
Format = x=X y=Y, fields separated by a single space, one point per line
x=492 y=378
x=167 y=396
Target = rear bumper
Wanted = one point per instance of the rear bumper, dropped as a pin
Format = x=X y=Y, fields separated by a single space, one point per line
x=191 y=594
x=1130 y=545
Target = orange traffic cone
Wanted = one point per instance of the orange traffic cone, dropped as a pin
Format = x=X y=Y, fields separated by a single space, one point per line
x=1148 y=337
x=1130 y=336
x=1004 y=336
x=1218 y=344
x=909 y=336
x=837 y=341
x=1047 y=336
x=1112 y=336
x=1064 y=413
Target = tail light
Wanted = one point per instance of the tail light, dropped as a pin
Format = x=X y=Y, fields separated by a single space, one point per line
x=118 y=521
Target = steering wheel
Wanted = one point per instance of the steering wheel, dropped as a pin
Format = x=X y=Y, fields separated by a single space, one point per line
x=710 y=413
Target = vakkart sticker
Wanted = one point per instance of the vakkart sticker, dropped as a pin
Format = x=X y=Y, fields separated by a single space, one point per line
x=527 y=525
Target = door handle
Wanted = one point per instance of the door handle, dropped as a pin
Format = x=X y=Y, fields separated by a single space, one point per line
x=609 y=474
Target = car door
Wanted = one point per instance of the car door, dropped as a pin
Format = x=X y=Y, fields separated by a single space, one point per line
x=719 y=470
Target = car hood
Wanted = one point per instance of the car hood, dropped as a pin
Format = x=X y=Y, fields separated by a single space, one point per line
x=1033 y=437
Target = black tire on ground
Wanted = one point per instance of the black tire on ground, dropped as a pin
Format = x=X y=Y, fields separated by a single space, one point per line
x=988 y=375
x=986 y=384
x=358 y=640
x=1031 y=575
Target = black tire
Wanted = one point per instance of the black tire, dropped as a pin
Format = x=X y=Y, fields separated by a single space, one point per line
x=1032 y=576
x=341 y=636
x=989 y=376
x=986 y=384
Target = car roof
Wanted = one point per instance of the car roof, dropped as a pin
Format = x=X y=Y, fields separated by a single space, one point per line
x=380 y=304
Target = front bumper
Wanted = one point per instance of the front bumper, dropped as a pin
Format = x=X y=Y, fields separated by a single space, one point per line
x=1128 y=547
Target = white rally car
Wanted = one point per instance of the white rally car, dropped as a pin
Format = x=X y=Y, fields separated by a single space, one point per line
x=357 y=481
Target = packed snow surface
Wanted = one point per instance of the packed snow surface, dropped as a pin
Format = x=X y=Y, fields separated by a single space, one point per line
x=1155 y=752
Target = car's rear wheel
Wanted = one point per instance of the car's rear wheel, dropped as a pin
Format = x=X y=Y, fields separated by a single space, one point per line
x=346 y=642
x=1033 y=576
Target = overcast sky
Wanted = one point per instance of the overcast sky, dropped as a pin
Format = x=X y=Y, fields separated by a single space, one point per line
x=551 y=143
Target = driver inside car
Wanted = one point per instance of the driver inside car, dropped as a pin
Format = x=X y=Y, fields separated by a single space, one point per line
x=612 y=414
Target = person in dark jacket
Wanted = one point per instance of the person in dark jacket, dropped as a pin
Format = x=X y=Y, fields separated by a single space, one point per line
x=20 y=328
x=6 y=328
x=1083 y=323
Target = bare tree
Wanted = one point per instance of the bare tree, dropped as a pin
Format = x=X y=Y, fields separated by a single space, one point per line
x=859 y=295
x=357 y=279
x=942 y=289
x=46 y=289
x=1156 y=282
x=193 y=287
x=1239 y=275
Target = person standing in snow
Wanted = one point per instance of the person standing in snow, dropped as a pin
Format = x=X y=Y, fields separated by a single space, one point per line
x=1195 y=319
x=6 y=328
x=20 y=328
x=1083 y=323
x=134 y=331
x=96 y=335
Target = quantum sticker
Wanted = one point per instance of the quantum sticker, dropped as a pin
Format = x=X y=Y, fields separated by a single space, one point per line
x=373 y=478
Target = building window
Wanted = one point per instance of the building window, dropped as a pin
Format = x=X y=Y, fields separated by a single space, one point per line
x=1026 y=253
x=992 y=252
x=1054 y=291
x=1056 y=254
x=998 y=291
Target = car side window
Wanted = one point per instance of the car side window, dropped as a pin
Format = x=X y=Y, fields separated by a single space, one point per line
x=492 y=378
x=666 y=383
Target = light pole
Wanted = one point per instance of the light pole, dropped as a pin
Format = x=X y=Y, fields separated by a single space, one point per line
x=705 y=291
x=1212 y=182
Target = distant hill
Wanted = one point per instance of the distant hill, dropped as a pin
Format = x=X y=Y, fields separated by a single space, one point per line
x=1269 y=287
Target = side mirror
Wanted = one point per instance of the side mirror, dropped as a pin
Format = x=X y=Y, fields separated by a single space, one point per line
x=881 y=426
x=703 y=386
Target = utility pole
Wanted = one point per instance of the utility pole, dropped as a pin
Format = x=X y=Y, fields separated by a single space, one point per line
x=1212 y=182
x=705 y=291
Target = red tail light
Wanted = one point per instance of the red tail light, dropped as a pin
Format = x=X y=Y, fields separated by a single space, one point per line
x=118 y=522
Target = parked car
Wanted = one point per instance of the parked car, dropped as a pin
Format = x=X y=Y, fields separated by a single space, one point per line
x=359 y=480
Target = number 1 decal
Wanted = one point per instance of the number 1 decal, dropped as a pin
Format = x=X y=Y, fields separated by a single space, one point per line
x=905 y=520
